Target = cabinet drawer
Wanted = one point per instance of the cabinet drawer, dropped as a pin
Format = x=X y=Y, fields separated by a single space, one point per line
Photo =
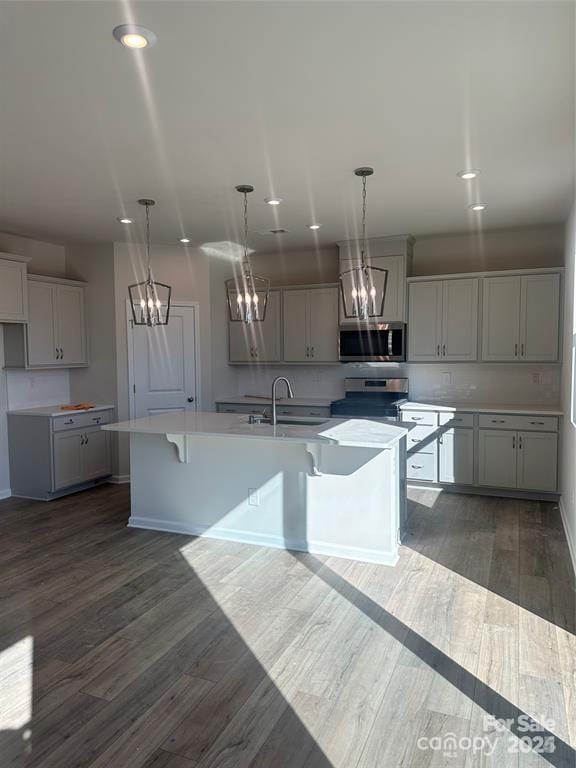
x=241 y=408
x=527 y=423
x=421 y=466
x=428 y=418
x=80 y=420
x=422 y=435
x=456 y=419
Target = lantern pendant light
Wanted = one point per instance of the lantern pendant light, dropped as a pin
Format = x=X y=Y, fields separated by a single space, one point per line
x=247 y=293
x=363 y=287
x=150 y=300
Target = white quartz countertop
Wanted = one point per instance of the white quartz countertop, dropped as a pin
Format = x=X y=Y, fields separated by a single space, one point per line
x=359 y=433
x=319 y=402
x=471 y=407
x=56 y=410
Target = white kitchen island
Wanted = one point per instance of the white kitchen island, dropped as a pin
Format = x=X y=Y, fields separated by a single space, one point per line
x=335 y=488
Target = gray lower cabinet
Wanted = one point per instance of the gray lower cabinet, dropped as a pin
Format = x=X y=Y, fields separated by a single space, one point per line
x=282 y=410
x=456 y=456
x=54 y=455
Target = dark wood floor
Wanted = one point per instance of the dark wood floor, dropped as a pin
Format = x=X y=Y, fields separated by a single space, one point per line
x=122 y=648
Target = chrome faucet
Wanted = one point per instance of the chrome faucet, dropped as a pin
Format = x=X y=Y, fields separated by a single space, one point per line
x=273 y=420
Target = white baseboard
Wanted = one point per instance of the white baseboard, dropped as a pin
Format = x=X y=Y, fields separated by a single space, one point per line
x=267 y=540
x=119 y=479
x=567 y=531
x=5 y=493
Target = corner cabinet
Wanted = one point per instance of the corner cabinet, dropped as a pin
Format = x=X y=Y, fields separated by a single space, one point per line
x=13 y=289
x=391 y=253
x=521 y=318
x=443 y=320
x=55 y=335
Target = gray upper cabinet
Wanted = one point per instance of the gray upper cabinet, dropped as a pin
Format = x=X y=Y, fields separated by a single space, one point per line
x=443 y=320
x=521 y=318
x=13 y=289
x=258 y=342
x=311 y=325
x=55 y=335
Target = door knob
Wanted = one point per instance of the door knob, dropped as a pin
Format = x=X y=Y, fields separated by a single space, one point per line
x=190 y=399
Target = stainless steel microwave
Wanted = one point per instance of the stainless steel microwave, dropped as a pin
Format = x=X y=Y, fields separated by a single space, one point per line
x=372 y=343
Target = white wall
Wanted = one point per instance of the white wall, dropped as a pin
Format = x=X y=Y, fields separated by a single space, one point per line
x=23 y=389
x=481 y=383
x=568 y=445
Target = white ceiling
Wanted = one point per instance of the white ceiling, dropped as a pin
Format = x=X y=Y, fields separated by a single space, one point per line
x=290 y=97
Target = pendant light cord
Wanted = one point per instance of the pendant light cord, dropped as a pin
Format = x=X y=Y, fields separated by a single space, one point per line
x=148 y=237
x=363 y=219
x=247 y=263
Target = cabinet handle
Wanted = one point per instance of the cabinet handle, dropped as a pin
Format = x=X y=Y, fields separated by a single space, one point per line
x=307 y=351
x=498 y=421
x=438 y=350
x=520 y=442
x=255 y=351
x=311 y=351
x=70 y=421
x=513 y=441
x=417 y=466
x=414 y=440
x=515 y=350
x=81 y=439
x=521 y=350
x=537 y=423
x=416 y=418
x=444 y=350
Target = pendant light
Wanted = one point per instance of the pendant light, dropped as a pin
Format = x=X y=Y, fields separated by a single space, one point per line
x=150 y=300
x=363 y=287
x=247 y=294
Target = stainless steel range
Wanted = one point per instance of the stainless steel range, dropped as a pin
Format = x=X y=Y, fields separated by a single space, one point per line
x=372 y=398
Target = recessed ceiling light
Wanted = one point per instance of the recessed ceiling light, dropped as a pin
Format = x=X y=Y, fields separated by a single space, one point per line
x=124 y=220
x=477 y=207
x=273 y=200
x=467 y=175
x=184 y=239
x=134 y=36
x=314 y=226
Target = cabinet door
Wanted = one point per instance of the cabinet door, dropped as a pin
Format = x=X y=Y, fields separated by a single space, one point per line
x=296 y=336
x=425 y=321
x=537 y=461
x=242 y=342
x=497 y=458
x=456 y=457
x=267 y=346
x=70 y=327
x=68 y=461
x=460 y=319
x=540 y=318
x=501 y=318
x=323 y=324
x=96 y=454
x=13 y=292
x=41 y=329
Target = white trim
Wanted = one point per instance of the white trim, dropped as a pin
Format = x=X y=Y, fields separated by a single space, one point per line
x=5 y=493
x=495 y=273
x=266 y=540
x=197 y=363
x=119 y=479
x=56 y=280
x=567 y=531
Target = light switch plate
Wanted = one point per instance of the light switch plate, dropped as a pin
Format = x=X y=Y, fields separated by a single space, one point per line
x=254 y=497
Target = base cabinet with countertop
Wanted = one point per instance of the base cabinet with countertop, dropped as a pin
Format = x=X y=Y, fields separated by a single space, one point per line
x=54 y=452
x=484 y=451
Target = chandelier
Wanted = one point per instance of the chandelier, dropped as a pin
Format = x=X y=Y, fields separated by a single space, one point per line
x=150 y=300
x=247 y=294
x=363 y=287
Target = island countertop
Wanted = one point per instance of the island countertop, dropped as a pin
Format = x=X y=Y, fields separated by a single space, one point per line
x=361 y=433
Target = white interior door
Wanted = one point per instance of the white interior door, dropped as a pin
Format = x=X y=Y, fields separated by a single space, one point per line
x=164 y=364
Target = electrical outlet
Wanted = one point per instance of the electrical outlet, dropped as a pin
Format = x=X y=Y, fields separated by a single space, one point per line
x=253 y=497
x=536 y=377
x=447 y=379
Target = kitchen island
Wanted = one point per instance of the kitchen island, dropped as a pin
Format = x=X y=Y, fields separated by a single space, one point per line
x=334 y=487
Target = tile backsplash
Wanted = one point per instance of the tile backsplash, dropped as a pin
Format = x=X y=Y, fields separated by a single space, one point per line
x=484 y=383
